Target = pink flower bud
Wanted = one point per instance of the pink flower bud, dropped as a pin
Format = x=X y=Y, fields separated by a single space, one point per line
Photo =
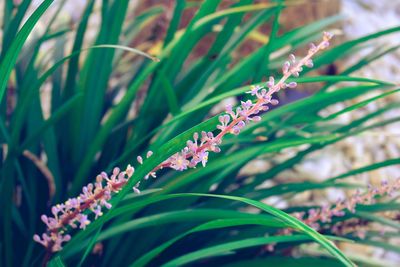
x=37 y=238
x=274 y=102
x=292 y=85
x=327 y=35
x=136 y=190
x=286 y=67
x=313 y=48
x=292 y=58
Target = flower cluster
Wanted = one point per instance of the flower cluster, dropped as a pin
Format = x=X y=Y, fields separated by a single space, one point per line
x=74 y=213
x=52 y=241
x=315 y=217
x=236 y=119
x=196 y=150
x=355 y=226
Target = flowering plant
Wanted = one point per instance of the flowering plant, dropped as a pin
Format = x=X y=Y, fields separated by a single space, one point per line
x=95 y=196
x=90 y=103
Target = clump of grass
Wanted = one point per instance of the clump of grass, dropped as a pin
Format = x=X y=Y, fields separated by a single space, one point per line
x=107 y=107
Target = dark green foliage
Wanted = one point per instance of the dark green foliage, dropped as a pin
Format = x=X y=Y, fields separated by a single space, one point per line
x=176 y=220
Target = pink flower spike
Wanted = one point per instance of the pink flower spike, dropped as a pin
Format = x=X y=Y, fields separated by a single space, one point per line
x=75 y=211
